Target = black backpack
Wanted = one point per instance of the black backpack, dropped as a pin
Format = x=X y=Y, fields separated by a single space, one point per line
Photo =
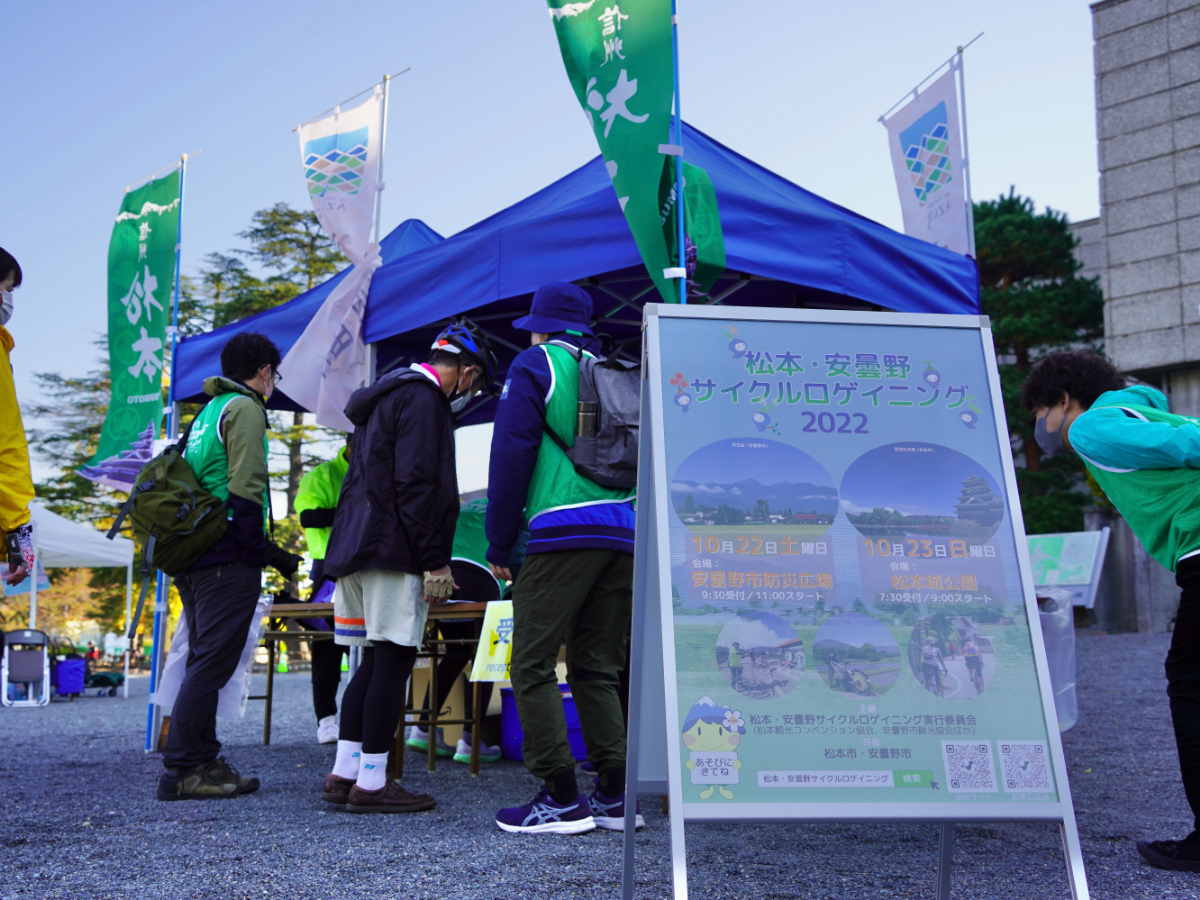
x=608 y=419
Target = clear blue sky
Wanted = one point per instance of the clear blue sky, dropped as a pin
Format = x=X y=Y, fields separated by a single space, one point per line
x=924 y=483
x=98 y=96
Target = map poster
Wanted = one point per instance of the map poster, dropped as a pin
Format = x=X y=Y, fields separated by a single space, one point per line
x=841 y=577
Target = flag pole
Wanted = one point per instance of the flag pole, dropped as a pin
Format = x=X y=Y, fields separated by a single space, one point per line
x=379 y=185
x=962 y=100
x=679 y=159
x=154 y=713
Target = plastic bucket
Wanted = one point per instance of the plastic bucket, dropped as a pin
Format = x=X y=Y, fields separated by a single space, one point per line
x=511 y=733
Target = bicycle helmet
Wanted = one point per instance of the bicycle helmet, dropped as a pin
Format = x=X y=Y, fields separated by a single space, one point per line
x=462 y=336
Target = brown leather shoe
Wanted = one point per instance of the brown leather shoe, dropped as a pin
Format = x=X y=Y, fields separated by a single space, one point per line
x=391 y=798
x=336 y=789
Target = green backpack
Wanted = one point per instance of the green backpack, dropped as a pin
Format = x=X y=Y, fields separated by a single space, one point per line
x=175 y=518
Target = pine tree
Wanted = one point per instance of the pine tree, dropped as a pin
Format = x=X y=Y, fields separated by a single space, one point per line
x=1037 y=304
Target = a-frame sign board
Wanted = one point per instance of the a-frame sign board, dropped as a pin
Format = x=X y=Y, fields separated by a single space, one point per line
x=834 y=617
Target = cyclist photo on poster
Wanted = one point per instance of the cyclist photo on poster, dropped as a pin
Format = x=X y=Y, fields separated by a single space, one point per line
x=965 y=674
x=760 y=654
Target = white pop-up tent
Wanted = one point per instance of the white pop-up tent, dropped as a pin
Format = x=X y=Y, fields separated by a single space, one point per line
x=61 y=543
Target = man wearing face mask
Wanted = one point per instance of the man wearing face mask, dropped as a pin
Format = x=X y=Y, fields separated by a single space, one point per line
x=390 y=550
x=1147 y=460
x=16 y=483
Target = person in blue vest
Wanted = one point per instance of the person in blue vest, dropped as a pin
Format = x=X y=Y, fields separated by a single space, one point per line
x=576 y=584
x=227 y=449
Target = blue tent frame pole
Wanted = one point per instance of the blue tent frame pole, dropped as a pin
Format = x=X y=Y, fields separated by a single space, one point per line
x=679 y=159
x=153 y=713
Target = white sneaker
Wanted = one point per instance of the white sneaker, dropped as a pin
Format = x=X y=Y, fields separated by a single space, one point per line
x=327 y=730
x=462 y=753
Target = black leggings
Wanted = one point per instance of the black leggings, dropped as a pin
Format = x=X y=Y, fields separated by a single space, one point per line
x=374 y=698
x=457 y=657
x=326 y=675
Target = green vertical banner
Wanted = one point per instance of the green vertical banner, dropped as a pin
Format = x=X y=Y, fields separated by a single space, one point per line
x=141 y=274
x=705 y=248
x=619 y=61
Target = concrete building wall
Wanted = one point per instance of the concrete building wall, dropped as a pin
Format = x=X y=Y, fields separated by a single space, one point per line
x=1147 y=239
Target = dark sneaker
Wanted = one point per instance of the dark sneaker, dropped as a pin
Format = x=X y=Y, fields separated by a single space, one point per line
x=609 y=812
x=588 y=767
x=419 y=740
x=227 y=773
x=542 y=815
x=336 y=789
x=198 y=783
x=391 y=798
x=1182 y=856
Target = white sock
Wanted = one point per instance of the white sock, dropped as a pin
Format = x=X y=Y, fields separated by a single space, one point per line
x=372 y=774
x=346 y=764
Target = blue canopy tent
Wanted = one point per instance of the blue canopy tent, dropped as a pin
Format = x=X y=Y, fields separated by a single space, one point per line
x=199 y=356
x=784 y=247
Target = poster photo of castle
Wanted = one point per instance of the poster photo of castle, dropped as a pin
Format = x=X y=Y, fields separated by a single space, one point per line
x=917 y=490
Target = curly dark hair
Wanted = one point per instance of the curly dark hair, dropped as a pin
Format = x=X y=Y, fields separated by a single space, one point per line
x=246 y=353
x=1081 y=374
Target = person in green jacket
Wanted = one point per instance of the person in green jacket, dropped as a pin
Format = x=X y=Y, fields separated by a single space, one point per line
x=1147 y=460
x=316 y=502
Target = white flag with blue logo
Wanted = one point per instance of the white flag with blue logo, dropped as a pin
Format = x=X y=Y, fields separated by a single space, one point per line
x=926 y=146
x=340 y=154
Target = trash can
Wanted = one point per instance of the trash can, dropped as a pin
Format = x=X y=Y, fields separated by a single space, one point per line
x=511 y=733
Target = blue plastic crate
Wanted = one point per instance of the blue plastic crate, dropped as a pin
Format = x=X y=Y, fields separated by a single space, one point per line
x=511 y=733
x=69 y=676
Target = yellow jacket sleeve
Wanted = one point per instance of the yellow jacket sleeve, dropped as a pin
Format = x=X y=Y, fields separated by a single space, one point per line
x=16 y=482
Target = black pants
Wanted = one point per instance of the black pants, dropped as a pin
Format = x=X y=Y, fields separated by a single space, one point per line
x=1183 y=680
x=326 y=675
x=218 y=604
x=458 y=657
x=374 y=698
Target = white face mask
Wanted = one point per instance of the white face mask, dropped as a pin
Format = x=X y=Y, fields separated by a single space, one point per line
x=459 y=399
x=6 y=307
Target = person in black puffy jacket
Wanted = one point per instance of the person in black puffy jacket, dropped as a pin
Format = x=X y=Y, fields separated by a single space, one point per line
x=390 y=548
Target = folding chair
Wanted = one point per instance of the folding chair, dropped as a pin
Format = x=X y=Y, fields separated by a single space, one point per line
x=26 y=663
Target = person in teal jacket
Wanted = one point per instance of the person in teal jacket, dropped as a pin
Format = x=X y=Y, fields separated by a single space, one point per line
x=316 y=502
x=1147 y=460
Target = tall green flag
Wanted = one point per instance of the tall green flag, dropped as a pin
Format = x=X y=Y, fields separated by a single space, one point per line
x=619 y=61
x=141 y=274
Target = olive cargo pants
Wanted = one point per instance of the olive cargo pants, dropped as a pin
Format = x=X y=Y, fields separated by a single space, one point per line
x=583 y=598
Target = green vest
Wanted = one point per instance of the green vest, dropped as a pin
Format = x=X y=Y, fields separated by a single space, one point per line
x=735 y=658
x=205 y=451
x=555 y=483
x=1160 y=505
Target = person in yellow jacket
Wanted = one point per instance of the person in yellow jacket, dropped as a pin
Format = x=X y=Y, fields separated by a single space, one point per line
x=316 y=501
x=16 y=481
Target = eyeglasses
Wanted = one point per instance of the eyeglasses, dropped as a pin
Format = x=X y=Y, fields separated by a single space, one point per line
x=275 y=376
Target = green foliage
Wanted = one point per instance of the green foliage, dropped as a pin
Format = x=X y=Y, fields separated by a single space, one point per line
x=1030 y=288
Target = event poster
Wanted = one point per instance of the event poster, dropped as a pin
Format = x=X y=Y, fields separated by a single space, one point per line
x=849 y=618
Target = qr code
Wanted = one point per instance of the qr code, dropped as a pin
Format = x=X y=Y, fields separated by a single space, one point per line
x=969 y=766
x=1025 y=766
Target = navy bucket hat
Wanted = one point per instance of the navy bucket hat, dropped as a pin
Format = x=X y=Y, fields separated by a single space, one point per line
x=558 y=306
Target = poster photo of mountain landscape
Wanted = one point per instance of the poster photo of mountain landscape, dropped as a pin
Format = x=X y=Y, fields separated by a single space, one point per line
x=916 y=490
x=764 y=487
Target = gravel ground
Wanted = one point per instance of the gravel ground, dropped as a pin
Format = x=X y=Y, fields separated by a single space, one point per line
x=78 y=819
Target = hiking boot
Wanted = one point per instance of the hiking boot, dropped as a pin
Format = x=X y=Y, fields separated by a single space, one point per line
x=609 y=812
x=336 y=789
x=197 y=783
x=462 y=753
x=419 y=740
x=230 y=775
x=542 y=815
x=327 y=730
x=391 y=798
x=1182 y=856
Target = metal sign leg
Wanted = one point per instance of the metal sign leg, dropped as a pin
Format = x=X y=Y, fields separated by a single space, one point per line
x=945 y=859
x=1074 y=858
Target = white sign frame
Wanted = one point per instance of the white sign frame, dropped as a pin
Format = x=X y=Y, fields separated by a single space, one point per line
x=653 y=766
